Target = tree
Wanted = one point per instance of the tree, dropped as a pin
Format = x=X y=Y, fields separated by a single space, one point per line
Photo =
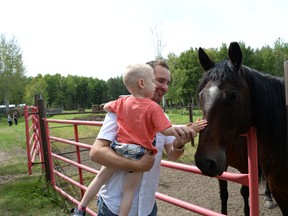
x=97 y=91
x=116 y=88
x=11 y=72
x=186 y=73
x=264 y=59
x=37 y=86
x=53 y=90
x=281 y=55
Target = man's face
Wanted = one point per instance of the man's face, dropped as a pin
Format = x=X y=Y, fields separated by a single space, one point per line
x=162 y=81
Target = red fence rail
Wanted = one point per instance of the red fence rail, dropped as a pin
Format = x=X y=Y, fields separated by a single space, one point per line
x=250 y=179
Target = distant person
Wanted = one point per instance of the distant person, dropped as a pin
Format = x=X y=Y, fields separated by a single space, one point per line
x=9 y=120
x=15 y=117
x=139 y=119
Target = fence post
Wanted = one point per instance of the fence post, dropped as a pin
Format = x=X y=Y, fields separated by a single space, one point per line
x=46 y=153
x=190 y=108
x=286 y=98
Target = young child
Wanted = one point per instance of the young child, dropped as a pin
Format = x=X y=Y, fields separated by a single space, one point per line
x=138 y=118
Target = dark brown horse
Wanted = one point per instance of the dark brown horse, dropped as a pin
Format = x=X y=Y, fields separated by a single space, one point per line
x=234 y=98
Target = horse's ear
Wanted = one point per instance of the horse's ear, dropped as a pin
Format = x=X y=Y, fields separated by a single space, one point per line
x=204 y=59
x=235 y=54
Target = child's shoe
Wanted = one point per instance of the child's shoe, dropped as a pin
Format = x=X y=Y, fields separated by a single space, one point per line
x=78 y=212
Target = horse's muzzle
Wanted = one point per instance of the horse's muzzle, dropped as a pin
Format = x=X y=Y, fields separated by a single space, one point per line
x=209 y=167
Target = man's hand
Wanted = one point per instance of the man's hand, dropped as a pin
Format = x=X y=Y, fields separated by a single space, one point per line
x=188 y=132
x=184 y=132
x=146 y=162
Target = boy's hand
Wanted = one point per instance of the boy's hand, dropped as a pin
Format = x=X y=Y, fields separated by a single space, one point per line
x=198 y=125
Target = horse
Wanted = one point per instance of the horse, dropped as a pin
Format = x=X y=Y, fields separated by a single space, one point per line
x=234 y=98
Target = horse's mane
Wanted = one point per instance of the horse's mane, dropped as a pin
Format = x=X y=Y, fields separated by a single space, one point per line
x=269 y=114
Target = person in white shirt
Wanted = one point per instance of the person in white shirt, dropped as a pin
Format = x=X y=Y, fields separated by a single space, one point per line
x=144 y=203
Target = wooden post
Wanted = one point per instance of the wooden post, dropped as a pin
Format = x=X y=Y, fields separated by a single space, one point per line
x=286 y=98
x=191 y=120
x=44 y=143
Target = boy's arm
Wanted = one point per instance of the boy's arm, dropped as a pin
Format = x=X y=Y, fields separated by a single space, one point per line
x=179 y=131
x=106 y=107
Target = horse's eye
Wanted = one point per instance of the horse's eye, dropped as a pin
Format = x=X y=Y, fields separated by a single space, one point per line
x=233 y=97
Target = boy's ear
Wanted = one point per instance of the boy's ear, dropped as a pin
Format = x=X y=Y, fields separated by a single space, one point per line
x=141 y=83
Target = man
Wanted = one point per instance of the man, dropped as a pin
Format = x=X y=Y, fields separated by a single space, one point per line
x=144 y=198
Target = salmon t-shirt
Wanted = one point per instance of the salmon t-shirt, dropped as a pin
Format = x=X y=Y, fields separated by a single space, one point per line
x=138 y=120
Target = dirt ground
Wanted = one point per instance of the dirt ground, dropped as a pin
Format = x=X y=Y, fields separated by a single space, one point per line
x=203 y=191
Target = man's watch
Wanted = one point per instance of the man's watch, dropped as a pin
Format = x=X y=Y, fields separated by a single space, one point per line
x=178 y=149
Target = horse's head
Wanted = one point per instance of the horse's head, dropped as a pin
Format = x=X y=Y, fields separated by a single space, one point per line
x=224 y=99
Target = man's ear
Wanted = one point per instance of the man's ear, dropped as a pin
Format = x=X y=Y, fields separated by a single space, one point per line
x=141 y=83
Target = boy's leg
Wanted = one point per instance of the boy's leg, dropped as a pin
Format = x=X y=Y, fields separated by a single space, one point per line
x=101 y=178
x=131 y=183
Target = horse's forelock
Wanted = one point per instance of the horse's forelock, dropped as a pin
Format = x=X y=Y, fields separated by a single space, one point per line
x=221 y=72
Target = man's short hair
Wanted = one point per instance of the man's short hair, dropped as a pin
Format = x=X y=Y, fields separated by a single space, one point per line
x=154 y=63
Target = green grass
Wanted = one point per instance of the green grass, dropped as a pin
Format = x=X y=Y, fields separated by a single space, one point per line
x=30 y=195
x=22 y=194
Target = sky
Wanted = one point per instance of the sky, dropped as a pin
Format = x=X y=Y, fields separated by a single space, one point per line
x=100 y=39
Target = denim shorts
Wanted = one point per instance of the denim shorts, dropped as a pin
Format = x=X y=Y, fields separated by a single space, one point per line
x=104 y=211
x=131 y=151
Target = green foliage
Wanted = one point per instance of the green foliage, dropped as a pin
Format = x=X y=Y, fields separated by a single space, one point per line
x=115 y=88
x=73 y=92
x=36 y=86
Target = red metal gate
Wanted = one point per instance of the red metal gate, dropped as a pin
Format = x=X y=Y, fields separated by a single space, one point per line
x=33 y=139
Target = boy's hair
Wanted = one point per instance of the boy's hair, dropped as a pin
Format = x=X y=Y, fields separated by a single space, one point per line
x=134 y=73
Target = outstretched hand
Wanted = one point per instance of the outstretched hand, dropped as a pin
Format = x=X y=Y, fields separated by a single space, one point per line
x=198 y=125
x=188 y=132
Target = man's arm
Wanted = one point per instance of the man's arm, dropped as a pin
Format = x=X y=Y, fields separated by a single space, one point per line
x=102 y=153
x=173 y=151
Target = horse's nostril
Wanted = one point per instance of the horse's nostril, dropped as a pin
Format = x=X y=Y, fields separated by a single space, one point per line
x=208 y=167
x=211 y=165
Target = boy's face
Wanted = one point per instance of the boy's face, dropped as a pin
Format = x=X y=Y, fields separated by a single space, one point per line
x=150 y=85
x=162 y=81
